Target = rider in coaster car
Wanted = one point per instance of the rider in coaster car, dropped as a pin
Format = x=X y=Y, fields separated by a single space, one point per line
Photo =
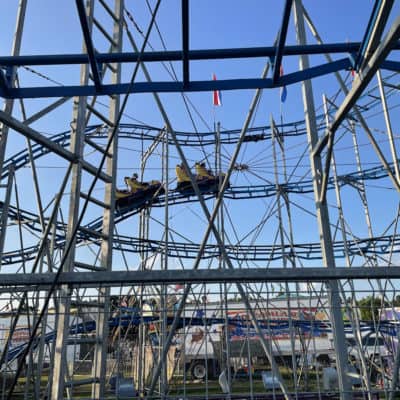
x=202 y=172
x=181 y=174
x=133 y=183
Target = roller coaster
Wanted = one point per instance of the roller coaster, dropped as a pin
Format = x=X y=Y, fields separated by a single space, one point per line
x=296 y=209
x=131 y=318
x=154 y=196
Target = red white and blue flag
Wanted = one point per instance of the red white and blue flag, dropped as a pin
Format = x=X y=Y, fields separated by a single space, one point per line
x=216 y=95
x=283 y=88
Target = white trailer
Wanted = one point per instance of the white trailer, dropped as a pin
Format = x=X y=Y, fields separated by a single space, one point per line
x=21 y=336
x=291 y=326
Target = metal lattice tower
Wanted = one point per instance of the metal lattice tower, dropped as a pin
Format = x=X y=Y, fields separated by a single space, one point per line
x=266 y=269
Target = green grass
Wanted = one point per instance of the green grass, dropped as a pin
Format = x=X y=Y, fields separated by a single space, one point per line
x=194 y=388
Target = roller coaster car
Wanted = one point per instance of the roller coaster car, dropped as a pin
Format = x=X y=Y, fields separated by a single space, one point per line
x=204 y=178
x=137 y=191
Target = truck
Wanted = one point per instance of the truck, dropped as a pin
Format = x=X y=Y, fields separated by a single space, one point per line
x=372 y=347
x=297 y=329
x=21 y=336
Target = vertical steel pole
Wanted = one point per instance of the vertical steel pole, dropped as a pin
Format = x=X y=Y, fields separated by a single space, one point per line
x=8 y=107
x=77 y=143
x=284 y=256
x=221 y=261
x=141 y=336
x=4 y=211
x=361 y=191
x=9 y=104
x=164 y=266
x=388 y=125
x=100 y=354
x=322 y=213
x=352 y=312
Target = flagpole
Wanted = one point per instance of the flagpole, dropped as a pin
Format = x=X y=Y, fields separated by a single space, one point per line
x=282 y=95
x=216 y=102
x=214 y=118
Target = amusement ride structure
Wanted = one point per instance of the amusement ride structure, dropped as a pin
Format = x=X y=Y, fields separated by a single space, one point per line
x=143 y=261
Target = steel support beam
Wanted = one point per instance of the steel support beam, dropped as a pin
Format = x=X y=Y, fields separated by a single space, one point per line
x=323 y=213
x=4 y=211
x=9 y=104
x=185 y=42
x=374 y=31
x=154 y=277
x=34 y=135
x=170 y=87
x=89 y=44
x=3 y=81
x=388 y=125
x=281 y=41
x=60 y=366
x=357 y=113
x=391 y=66
x=361 y=82
x=176 y=55
x=106 y=248
x=45 y=111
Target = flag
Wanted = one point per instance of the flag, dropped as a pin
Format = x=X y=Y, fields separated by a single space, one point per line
x=216 y=95
x=283 y=88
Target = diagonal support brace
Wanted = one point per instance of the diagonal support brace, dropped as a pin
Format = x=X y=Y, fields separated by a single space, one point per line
x=361 y=82
x=89 y=45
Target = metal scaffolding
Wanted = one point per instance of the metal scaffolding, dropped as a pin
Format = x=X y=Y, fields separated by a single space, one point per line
x=267 y=268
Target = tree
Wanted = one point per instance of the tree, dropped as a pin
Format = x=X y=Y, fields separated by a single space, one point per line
x=370 y=307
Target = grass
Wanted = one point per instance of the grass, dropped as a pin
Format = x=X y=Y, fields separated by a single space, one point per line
x=195 y=388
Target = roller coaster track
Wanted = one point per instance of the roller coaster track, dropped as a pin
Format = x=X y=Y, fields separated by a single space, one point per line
x=248 y=192
x=149 y=133
x=88 y=233
x=274 y=327
x=309 y=251
x=235 y=192
x=145 y=132
x=252 y=253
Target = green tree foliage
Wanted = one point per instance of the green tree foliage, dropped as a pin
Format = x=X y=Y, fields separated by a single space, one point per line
x=370 y=306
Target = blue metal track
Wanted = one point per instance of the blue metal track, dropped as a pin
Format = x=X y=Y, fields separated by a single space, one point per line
x=147 y=132
x=362 y=247
x=132 y=318
x=193 y=55
x=176 y=87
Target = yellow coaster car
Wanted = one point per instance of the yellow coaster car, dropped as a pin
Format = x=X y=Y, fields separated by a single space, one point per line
x=205 y=179
x=138 y=191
